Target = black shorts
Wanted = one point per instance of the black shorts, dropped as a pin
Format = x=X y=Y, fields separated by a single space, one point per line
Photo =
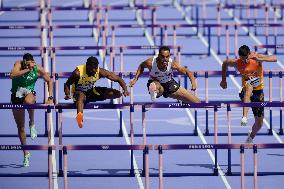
x=93 y=97
x=257 y=96
x=17 y=100
x=169 y=87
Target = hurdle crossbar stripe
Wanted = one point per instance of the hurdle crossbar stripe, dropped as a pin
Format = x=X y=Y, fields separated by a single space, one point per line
x=217 y=25
x=215 y=146
x=278 y=46
x=19 y=48
x=212 y=73
x=26 y=106
x=8 y=9
x=26 y=147
x=18 y=27
x=106 y=147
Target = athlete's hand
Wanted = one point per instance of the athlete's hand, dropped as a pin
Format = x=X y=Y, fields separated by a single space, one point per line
x=126 y=93
x=67 y=97
x=49 y=101
x=132 y=82
x=193 y=87
x=223 y=84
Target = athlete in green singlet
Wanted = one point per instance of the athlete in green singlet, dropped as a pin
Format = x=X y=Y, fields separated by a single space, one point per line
x=24 y=76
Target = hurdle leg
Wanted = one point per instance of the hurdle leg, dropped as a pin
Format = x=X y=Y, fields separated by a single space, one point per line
x=216 y=139
x=65 y=167
x=49 y=124
x=281 y=127
x=242 y=166
x=56 y=134
x=281 y=97
x=120 y=124
x=146 y=167
x=60 y=173
x=45 y=120
x=270 y=100
x=132 y=139
x=144 y=136
x=229 y=171
x=50 y=167
x=206 y=133
x=255 y=166
x=160 y=167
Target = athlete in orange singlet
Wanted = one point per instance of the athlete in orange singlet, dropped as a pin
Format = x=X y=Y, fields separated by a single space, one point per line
x=250 y=67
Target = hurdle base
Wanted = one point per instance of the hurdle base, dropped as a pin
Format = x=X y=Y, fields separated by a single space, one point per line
x=229 y=173
x=215 y=172
x=195 y=133
x=60 y=173
x=56 y=134
x=206 y=132
x=120 y=134
x=280 y=132
x=269 y=132
x=131 y=173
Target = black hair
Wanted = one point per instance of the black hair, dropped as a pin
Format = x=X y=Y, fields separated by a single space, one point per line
x=244 y=50
x=92 y=61
x=164 y=48
x=28 y=57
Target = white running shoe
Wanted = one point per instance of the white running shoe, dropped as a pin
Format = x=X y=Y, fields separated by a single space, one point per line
x=153 y=91
x=33 y=132
x=244 y=121
x=26 y=162
x=249 y=140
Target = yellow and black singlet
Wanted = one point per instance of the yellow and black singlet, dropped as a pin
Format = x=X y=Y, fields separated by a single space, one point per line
x=85 y=82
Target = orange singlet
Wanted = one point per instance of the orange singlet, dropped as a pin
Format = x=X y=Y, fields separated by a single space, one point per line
x=252 y=72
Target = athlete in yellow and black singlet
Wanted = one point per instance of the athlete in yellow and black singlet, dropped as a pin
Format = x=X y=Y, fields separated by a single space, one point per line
x=84 y=90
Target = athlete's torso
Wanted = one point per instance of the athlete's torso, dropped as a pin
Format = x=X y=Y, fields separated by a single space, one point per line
x=161 y=76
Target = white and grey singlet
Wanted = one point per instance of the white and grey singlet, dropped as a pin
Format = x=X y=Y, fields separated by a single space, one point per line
x=161 y=76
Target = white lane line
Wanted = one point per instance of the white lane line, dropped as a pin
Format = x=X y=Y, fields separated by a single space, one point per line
x=124 y=130
x=200 y=134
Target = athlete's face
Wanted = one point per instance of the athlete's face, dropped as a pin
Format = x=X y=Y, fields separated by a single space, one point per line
x=245 y=58
x=91 y=70
x=164 y=57
x=30 y=64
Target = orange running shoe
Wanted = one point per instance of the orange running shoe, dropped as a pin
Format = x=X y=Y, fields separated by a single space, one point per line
x=79 y=119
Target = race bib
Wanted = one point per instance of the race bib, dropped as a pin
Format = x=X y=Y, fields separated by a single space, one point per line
x=254 y=81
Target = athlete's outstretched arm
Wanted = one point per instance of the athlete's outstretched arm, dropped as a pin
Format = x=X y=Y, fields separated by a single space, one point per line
x=146 y=64
x=263 y=58
x=111 y=76
x=185 y=71
x=17 y=72
x=226 y=63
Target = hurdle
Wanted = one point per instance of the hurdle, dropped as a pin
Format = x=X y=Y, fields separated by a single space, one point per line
x=49 y=172
x=270 y=74
x=252 y=104
x=46 y=107
x=166 y=28
x=106 y=147
x=241 y=147
x=39 y=9
x=95 y=106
